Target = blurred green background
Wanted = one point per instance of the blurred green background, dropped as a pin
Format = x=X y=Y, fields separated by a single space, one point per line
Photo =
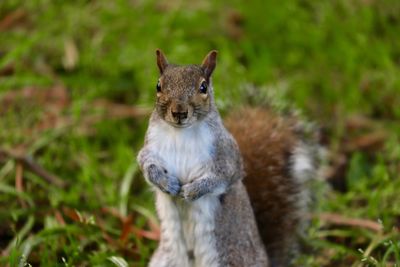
x=77 y=82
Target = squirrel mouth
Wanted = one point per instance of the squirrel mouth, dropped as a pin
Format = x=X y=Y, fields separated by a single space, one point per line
x=179 y=124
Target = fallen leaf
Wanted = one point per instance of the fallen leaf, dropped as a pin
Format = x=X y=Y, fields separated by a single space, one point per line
x=71 y=55
x=12 y=19
x=126 y=229
x=72 y=214
x=370 y=142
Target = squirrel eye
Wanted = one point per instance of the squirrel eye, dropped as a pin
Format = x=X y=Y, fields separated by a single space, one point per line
x=203 y=87
x=158 y=87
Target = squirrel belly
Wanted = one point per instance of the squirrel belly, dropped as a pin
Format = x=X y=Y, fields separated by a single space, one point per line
x=187 y=228
x=218 y=229
x=278 y=164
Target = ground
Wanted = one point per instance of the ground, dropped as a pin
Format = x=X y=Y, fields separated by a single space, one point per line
x=77 y=82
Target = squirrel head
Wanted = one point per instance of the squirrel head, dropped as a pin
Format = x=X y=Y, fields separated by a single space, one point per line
x=184 y=93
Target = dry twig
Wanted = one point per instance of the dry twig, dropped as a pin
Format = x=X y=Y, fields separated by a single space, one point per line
x=19 y=184
x=34 y=167
x=334 y=218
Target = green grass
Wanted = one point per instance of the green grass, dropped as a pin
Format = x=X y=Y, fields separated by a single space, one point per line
x=336 y=61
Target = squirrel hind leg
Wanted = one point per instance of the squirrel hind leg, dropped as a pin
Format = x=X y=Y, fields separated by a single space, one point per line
x=277 y=165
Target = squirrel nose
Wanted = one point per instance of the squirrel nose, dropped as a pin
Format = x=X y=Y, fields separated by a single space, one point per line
x=180 y=115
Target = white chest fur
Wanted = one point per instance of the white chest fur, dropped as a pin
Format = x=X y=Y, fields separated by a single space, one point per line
x=187 y=228
x=183 y=150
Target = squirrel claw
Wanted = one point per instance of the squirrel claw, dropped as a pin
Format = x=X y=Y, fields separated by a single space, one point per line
x=172 y=186
x=189 y=192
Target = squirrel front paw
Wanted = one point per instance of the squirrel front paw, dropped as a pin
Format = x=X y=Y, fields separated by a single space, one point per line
x=163 y=180
x=190 y=192
x=170 y=184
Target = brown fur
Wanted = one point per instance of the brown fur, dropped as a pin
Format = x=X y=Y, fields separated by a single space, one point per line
x=266 y=142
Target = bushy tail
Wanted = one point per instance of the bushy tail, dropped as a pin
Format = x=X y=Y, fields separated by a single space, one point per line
x=278 y=163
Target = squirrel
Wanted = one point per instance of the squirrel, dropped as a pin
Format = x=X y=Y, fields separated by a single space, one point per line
x=215 y=208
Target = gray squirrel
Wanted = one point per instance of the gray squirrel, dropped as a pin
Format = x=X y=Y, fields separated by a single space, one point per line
x=195 y=166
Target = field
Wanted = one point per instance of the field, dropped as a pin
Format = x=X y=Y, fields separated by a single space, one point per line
x=77 y=83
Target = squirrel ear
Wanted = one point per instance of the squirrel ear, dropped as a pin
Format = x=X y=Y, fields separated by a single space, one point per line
x=162 y=61
x=209 y=63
